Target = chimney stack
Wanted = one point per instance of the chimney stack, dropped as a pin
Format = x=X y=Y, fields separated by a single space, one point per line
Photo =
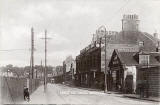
x=130 y=22
x=155 y=34
x=158 y=46
x=141 y=45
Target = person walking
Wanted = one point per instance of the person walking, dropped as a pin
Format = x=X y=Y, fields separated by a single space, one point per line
x=26 y=94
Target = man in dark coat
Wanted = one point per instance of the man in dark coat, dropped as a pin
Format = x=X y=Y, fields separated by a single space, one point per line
x=26 y=94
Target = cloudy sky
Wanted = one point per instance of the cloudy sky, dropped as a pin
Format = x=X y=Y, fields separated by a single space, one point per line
x=70 y=24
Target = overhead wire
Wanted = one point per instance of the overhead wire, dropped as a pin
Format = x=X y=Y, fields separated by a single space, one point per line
x=10 y=50
x=15 y=50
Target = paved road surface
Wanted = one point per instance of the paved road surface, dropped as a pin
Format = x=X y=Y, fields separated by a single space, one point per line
x=60 y=94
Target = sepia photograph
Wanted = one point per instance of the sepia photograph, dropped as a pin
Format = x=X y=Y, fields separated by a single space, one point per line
x=80 y=52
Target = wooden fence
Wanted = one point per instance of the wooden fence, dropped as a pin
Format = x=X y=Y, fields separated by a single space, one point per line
x=12 y=89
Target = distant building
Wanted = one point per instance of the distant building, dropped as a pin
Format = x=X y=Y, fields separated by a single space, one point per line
x=8 y=74
x=58 y=74
x=68 y=61
x=69 y=68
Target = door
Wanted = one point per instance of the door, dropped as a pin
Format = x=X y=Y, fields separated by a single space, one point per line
x=129 y=84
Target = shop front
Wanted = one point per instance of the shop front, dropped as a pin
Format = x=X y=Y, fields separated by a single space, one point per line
x=116 y=79
x=116 y=74
x=122 y=76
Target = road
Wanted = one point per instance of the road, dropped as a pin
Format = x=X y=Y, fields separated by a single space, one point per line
x=61 y=94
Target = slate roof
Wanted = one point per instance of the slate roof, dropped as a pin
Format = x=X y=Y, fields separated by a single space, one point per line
x=156 y=56
x=128 y=58
x=132 y=37
x=153 y=60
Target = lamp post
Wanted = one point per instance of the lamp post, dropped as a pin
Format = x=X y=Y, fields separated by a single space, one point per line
x=106 y=72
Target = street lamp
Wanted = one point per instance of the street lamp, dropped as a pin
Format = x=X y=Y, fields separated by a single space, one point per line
x=106 y=42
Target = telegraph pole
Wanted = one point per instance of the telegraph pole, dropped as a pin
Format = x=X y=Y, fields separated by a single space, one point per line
x=105 y=63
x=45 y=70
x=31 y=73
x=32 y=53
x=41 y=69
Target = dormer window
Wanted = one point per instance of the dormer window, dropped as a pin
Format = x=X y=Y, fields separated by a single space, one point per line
x=141 y=43
x=144 y=59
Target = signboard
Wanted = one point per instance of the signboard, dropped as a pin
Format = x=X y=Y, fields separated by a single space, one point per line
x=93 y=70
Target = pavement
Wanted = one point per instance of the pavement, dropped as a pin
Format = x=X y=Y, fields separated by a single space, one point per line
x=72 y=86
x=61 y=94
x=135 y=96
x=156 y=99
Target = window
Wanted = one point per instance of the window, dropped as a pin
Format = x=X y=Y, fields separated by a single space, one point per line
x=141 y=43
x=144 y=59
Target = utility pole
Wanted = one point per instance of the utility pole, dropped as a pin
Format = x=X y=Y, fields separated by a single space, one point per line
x=31 y=73
x=41 y=69
x=45 y=70
x=36 y=73
x=32 y=53
x=105 y=63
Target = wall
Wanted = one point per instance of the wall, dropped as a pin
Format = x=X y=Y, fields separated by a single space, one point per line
x=152 y=75
x=12 y=89
x=33 y=85
x=154 y=82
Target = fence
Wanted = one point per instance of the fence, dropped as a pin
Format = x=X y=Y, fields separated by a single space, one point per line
x=33 y=85
x=12 y=89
